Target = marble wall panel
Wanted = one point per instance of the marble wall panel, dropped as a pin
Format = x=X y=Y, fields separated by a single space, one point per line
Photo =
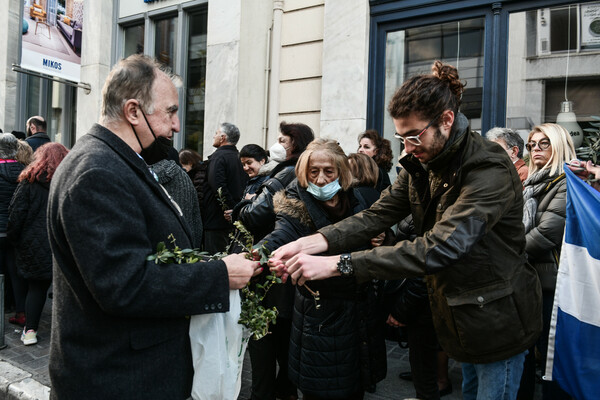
x=305 y=25
x=300 y=96
x=221 y=89
x=301 y=61
x=345 y=60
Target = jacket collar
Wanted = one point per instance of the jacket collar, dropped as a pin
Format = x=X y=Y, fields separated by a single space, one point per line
x=453 y=145
x=136 y=163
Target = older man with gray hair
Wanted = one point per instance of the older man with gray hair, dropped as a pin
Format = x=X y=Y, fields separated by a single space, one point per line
x=225 y=174
x=513 y=144
x=121 y=321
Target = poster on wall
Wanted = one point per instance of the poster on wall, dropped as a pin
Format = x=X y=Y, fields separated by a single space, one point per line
x=590 y=24
x=51 y=37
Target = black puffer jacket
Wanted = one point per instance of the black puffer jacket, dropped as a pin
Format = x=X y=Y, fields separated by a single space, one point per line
x=27 y=229
x=257 y=214
x=337 y=349
x=9 y=172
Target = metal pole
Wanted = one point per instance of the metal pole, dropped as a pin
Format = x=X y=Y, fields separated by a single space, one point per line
x=2 y=344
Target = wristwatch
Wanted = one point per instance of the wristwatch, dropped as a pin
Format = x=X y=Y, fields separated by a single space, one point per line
x=344 y=266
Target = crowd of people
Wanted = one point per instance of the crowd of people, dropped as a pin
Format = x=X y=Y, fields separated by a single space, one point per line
x=461 y=251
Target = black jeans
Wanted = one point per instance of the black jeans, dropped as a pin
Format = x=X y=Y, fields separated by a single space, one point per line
x=14 y=284
x=34 y=304
x=423 y=350
x=265 y=354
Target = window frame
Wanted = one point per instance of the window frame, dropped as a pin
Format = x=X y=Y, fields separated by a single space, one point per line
x=388 y=16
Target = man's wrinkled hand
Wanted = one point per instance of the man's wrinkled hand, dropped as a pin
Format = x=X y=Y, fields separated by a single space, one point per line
x=240 y=270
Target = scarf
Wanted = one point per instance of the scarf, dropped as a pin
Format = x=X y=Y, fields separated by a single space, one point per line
x=537 y=183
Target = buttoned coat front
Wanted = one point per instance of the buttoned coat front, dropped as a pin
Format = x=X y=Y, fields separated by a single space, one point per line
x=119 y=326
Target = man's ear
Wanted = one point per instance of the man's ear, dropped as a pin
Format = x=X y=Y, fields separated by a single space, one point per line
x=514 y=151
x=447 y=119
x=132 y=112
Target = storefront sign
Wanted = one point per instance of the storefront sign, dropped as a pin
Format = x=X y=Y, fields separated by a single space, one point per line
x=52 y=38
x=590 y=24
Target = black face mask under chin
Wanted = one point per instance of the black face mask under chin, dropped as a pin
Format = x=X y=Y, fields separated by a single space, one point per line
x=158 y=150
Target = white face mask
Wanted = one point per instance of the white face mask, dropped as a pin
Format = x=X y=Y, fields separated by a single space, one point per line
x=277 y=152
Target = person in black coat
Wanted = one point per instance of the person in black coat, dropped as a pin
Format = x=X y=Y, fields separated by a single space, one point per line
x=192 y=163
x=120 y=324
x=258 y=217
x=378 y=148
x=16 y=287
x=224 y=173
x=36 y=132
x=337 y=347
x=27 y=231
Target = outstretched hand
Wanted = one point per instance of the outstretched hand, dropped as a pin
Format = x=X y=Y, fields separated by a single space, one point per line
x=303 y=267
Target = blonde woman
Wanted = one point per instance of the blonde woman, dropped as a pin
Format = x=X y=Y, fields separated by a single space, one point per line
x=544 y=211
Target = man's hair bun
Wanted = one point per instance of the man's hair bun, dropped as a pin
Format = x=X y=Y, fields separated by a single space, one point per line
x=449 y=74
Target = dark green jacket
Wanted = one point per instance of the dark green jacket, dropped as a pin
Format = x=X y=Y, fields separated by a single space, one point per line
x=467 y=211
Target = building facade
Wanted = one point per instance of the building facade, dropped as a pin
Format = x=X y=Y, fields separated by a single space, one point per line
x=332 y=64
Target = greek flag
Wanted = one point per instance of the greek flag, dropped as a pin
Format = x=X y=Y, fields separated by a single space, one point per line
x=574 y=342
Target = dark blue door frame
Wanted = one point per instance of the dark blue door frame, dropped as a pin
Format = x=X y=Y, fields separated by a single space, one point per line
x=393 y=15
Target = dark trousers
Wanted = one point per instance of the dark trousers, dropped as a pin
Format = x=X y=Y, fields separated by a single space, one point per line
x=216 y=241
x=265 y=354
x=422 y=354
x=34 y=304
x=356 y=396
x=12 y=280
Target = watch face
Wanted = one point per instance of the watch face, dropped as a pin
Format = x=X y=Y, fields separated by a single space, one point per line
x=344 y=266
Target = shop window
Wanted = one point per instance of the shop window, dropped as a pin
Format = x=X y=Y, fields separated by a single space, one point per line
x=165 y=50
x=570 y=28
x=539 y=85
x=134 y=40
x=195 y=82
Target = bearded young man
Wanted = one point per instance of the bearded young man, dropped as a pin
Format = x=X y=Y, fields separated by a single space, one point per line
x=466 y=200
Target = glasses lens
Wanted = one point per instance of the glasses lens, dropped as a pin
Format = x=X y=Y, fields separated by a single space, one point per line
x=542 y=144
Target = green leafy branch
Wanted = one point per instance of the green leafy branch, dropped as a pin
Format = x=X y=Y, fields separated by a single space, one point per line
x=254 y=315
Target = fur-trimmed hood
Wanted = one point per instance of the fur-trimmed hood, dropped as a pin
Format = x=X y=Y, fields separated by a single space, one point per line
x=292 y=207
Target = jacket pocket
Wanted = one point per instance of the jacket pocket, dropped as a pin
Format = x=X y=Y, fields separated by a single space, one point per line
x=486 y=319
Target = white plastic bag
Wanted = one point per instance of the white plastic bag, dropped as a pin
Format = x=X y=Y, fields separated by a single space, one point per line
x=218 y=347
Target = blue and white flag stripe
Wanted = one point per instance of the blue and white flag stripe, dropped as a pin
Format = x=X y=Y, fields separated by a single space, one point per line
x=574 y=342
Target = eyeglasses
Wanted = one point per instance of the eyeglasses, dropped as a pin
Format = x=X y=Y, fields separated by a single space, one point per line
x=416 y=140
x=542 y=144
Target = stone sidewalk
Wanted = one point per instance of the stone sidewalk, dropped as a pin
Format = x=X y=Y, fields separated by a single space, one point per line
x=24 y=369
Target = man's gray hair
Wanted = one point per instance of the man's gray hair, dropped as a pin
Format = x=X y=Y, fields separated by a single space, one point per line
x=132 y=78
x=231 y=131
x=9 y=145
x=511 y=137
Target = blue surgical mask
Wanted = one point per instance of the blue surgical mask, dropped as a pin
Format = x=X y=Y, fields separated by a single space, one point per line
x=326 y=192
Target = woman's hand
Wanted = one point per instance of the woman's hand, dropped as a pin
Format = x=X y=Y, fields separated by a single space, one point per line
x=391 y=321
x=378 y=240
x=227 y=215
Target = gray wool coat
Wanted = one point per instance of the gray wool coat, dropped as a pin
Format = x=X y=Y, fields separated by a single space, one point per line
x=120 y=326
x=181 y=188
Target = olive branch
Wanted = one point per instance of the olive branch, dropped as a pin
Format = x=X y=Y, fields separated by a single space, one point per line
x=254 y=315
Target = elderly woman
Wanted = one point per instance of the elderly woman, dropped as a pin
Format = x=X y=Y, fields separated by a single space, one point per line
x=380 y=150
x=28 y=233
x=544 y=213
x=337 y=348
